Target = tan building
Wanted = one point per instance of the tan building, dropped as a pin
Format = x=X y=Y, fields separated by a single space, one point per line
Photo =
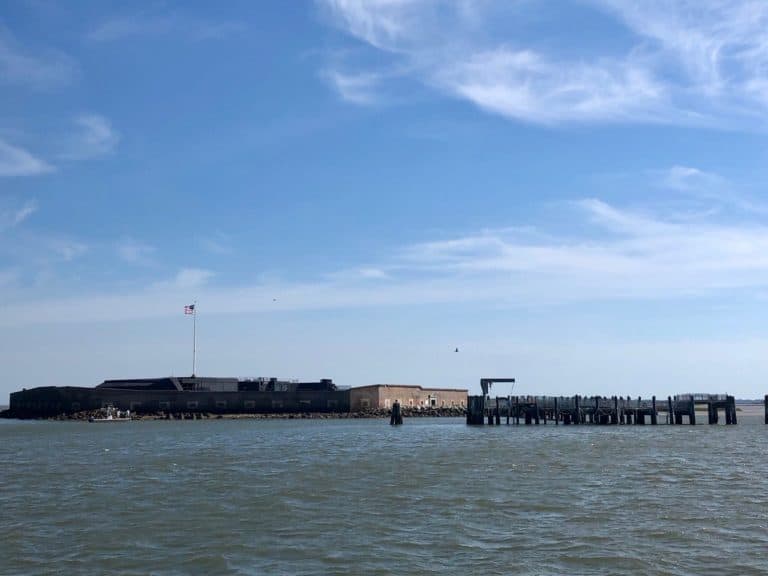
x=382 y=396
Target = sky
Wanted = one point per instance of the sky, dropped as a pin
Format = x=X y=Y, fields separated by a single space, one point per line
x=572 y=194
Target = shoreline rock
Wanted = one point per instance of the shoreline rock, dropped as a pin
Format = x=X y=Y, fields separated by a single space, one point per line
x=407 y=412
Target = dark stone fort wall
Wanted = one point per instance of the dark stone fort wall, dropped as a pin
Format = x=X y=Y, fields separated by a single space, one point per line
x=51 y=401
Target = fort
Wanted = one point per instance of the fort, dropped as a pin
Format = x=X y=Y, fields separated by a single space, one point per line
x=197 y=395
x=194 y=396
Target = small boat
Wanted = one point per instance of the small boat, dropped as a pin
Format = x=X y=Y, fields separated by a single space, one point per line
x=111 y=415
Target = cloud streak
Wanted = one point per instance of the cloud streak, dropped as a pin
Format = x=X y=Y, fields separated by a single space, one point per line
x=93 y=137
x=359 y=89
x=703 y=64
x=134 y=252
x=15 y=161
x=10 y=218
x=623 y=255
x=147 y=24
x=42 y=71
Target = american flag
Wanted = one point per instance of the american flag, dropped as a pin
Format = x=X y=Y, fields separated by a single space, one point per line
x=189 y=309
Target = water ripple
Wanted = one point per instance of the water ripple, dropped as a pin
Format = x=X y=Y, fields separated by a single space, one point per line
x=353 y=497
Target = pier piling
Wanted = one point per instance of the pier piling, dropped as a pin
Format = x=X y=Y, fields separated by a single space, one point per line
x=597 y=410
x=396 y=418
x=577 y=412
x=671 y=413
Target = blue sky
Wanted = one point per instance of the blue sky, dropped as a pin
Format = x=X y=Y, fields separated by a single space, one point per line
x=571 y=194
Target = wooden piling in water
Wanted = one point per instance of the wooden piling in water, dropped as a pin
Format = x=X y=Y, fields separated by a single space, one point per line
x=732 y=406
x=475 y=410
x=396 y=418
x=765 y=407
x=692 y=413
x=671 y=414
x=594 y=409
x=577 y=413
x=622 y=418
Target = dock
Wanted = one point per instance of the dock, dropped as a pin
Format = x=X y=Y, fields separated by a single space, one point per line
x=601 y=410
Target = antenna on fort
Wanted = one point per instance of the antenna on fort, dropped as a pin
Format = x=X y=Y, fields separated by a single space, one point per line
x=192 y=309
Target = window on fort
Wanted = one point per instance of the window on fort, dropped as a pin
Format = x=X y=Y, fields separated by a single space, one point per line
x=365 y=402
x=387 y=402
x=249 y=404
x=192 y=404
x=164 y=405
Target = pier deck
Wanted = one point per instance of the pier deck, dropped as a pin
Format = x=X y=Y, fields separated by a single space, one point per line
x=600 y=410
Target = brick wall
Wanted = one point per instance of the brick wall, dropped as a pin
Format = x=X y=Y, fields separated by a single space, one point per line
x=380 y=396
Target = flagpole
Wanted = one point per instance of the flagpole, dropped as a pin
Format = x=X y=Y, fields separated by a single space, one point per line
x=194 y=337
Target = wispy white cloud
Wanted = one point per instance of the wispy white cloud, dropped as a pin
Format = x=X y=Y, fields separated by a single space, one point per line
x=42 y=70
x=135 y=252
x=704 y=63
x=217 y=243
x=13 y=216
x=526 y=85
x=618 y=254
x=722 y=46
x=191 y=278
x=371 y=273
x=15 y=161
x=94 y=136
x=687 y=178
x=359 y=88
x=385 y=24
x=711 y=190
x=153 y=24
x=66 y=249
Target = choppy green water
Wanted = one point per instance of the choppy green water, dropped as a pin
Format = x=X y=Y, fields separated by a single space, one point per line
x=359 y=497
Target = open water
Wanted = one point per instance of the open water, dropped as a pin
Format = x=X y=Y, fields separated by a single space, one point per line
x=360 y=497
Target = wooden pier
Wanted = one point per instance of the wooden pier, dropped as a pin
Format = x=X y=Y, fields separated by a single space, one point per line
x=600 y=410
